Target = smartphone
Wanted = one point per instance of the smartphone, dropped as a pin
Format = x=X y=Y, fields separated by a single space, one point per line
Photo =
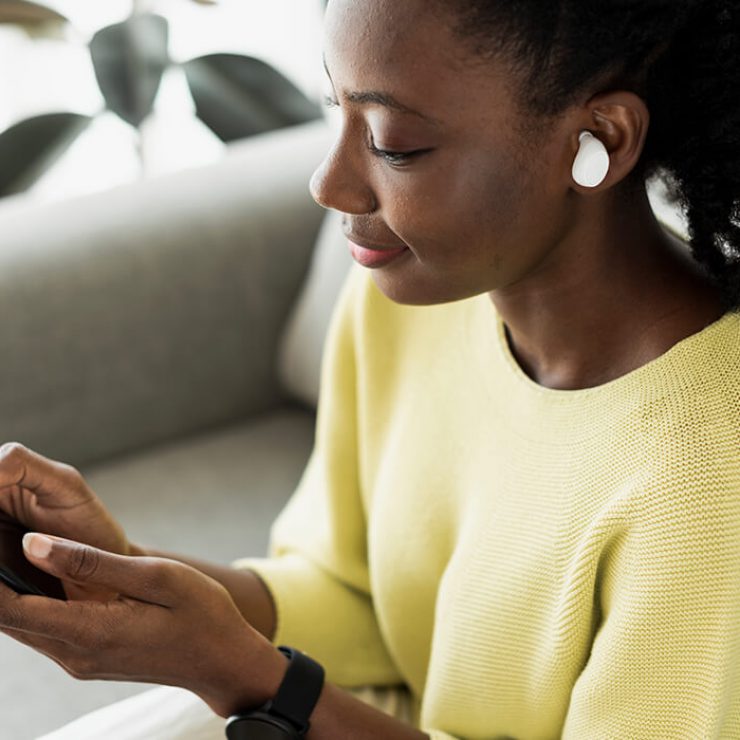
x=17 y=572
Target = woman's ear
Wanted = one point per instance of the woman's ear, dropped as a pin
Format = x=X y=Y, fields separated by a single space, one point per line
x=620 y=120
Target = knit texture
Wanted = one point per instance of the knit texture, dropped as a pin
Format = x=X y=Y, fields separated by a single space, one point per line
x=532 y=563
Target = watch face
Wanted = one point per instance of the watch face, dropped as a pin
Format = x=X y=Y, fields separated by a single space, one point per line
x=260 y=726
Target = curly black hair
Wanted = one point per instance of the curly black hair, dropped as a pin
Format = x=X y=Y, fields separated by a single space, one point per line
x=682 y=57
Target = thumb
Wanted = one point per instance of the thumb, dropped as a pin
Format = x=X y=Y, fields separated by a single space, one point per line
x=145 y=579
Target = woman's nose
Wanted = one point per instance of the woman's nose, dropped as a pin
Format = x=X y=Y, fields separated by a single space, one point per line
x=339 y=186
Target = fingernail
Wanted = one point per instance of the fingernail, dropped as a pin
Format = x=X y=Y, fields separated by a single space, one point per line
x=37 y=545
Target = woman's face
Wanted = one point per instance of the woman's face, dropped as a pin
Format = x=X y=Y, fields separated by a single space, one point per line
x=430 y=157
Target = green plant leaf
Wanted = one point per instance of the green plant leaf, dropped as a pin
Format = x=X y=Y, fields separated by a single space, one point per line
x=129 y=60
x=29 y=148
x=238 y=96
x=24 y=12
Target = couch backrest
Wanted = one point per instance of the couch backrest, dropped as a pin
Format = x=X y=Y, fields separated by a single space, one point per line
x=155 y=309
x=301 y=348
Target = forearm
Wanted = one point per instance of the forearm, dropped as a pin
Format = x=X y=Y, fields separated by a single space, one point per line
x=341 y=716
x=249 y=593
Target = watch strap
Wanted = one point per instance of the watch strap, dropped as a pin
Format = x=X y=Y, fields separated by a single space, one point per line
x=299 y=691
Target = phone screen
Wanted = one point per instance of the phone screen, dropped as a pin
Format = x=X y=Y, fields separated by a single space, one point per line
x=16 y=571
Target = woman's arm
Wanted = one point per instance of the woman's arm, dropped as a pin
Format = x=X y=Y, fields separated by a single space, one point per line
x=665 y=661
x=172 y=625
x=338 y=713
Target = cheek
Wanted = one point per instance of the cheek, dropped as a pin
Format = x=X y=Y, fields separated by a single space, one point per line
x=497 y=192
x=457 y=208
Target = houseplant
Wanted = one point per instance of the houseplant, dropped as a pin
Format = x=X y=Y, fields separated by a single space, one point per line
x=234 y=95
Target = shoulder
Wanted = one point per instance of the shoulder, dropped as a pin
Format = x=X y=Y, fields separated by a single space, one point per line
x=687 y=435
x=692 y=490
x=699 y=376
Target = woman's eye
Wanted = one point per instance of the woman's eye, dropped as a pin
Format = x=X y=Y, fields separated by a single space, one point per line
x=397 y=159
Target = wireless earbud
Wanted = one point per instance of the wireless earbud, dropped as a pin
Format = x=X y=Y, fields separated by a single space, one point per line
x=592 y=161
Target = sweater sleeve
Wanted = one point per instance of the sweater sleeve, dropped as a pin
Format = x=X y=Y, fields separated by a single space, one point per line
x=317 y=569
x=665 y=660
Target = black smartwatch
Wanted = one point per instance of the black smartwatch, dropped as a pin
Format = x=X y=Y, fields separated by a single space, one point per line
x=286 y=717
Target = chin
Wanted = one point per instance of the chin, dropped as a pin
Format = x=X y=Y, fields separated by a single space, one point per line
x=409 y=290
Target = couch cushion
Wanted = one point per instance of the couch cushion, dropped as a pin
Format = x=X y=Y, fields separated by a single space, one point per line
x=299 y=357
x=213 y=495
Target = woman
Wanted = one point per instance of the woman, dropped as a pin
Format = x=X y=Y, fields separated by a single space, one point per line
x=524 y=500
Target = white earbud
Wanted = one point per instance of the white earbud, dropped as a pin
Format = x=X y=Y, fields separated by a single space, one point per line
x=592 y=161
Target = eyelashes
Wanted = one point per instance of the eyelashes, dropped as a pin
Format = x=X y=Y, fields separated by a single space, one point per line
x=395 y=159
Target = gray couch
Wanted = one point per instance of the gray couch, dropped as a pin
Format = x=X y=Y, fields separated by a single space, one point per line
x=140 y=336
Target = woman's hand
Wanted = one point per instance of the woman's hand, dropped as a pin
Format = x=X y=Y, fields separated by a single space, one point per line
x=170 y=624
x=51 y=497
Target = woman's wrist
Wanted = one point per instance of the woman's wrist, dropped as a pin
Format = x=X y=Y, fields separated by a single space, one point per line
x=250 y=679
x=337 y=714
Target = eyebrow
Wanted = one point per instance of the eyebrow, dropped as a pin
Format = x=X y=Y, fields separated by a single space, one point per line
x=375 y=97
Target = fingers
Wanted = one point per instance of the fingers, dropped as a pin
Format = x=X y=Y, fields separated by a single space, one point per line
x=35 y=616
x=153 y=580
x=42 y=622
x=20 y=466
x=132 y=637
x=80 y=662
x=89 y=639
x=48 y=646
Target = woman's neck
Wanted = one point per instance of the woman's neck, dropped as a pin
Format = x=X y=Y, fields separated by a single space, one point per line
x=618 y=293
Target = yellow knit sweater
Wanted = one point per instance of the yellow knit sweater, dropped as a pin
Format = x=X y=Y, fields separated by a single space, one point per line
x=532 y=563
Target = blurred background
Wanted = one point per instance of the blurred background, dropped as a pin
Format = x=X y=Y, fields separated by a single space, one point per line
x=96 y=94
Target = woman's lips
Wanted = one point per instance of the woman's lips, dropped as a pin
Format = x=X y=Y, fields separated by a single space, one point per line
x=374 y=257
